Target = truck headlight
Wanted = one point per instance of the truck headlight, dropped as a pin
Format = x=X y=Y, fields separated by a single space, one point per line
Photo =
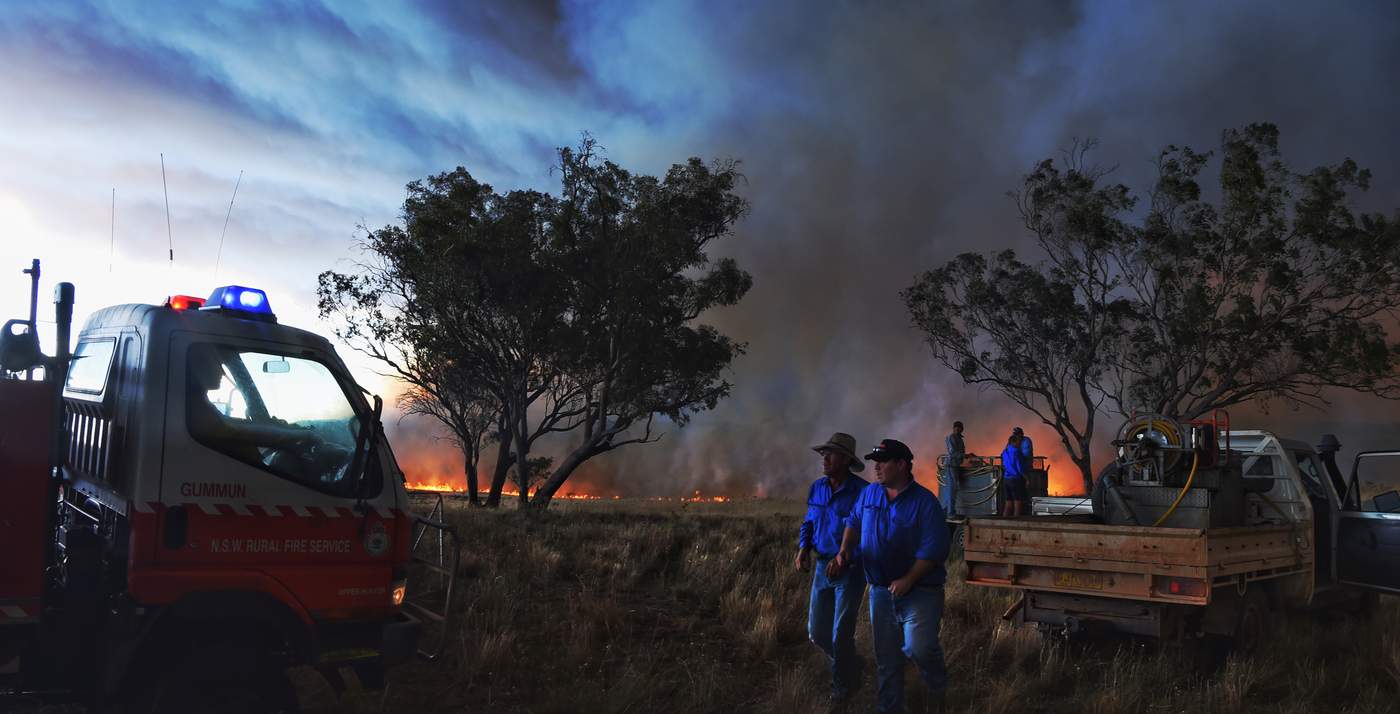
x=396 y=594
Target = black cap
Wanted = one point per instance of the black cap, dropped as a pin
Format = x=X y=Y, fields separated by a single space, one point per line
x=889 y=450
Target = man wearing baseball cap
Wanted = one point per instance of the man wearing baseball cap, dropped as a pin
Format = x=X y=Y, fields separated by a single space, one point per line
x=1017 y=459
x=897 y=531
x=836 y=590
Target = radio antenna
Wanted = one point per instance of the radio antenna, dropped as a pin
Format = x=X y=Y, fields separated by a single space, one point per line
x=169 y=235
x=220 y=256
x=112 y=247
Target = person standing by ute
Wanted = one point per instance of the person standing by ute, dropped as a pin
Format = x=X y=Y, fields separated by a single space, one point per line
x=836 y=590
x=1027 y=450
x=956 y=451
x=1015 y=465
x=898 y=531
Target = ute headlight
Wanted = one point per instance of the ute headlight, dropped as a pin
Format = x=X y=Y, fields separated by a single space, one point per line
x=397 y=593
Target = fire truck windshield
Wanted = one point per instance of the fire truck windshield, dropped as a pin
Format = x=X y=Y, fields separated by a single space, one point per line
x=282 y=413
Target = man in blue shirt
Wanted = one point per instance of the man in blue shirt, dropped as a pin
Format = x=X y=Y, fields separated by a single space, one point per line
x=897 y=531
x=953 y=473
x=836 y=591
x=1027 y=449
x=1016 y=460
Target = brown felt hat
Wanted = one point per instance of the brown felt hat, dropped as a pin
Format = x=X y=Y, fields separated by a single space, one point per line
x=843 y=443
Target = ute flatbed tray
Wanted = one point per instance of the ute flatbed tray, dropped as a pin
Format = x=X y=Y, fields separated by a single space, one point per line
x=1072 y=555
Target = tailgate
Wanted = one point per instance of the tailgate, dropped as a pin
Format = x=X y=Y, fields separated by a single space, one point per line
x=1162 y=564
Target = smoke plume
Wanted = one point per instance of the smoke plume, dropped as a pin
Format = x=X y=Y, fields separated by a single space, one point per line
x=878 y=140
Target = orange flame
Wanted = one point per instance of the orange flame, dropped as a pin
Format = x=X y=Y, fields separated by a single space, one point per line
x=698 y=498
x=440 y=487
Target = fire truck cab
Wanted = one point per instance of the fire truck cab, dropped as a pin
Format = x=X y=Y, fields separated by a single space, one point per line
x=197 y=499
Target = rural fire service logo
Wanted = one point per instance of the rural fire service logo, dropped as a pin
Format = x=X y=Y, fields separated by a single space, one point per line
x=377 y=539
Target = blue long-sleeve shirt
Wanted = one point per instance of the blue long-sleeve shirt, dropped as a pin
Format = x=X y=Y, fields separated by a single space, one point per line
x=1013 y=462
x=1027 y=453
x=895 y=533
x=825 y=522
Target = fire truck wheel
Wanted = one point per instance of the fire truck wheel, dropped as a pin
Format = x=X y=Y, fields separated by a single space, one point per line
x=217 y=680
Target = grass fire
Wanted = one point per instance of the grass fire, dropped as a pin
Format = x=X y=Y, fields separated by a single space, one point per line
x=461 y=490
x=641 y=605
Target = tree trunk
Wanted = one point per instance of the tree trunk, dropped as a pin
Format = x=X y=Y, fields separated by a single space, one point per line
x=522 y=458
x=1086 y=472
x=469 y=466
x=498 y=476
x=1086 y=464
x=546 y=491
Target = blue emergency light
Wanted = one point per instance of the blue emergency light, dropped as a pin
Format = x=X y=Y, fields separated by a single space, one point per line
x=244 y=302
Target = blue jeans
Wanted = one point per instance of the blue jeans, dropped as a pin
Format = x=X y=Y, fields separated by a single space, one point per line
x=1015 y=489
x=906 y=627
x=831 y=622
x=949 y=494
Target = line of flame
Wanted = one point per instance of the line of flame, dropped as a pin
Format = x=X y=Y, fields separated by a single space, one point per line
x=438 y=487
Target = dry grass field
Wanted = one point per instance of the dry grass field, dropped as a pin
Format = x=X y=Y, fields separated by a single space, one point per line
x=641 y=606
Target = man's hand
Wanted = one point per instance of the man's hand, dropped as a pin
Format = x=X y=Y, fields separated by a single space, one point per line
x=803 y=559
x=837 y=566
x=901 y=587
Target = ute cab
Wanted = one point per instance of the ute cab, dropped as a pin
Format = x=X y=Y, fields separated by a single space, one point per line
x=227 y=503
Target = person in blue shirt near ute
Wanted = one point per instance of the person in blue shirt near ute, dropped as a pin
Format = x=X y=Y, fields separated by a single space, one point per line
x=956 y=453
x=836 y=591
x=1016 y=461
x=898 y=531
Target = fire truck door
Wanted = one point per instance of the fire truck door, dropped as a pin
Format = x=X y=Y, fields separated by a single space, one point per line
x=261 y=466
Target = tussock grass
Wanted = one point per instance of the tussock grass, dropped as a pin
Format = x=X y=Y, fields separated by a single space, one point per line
x=638 y=607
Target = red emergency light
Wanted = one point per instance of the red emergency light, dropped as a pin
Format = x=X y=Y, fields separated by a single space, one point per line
x=184 y=302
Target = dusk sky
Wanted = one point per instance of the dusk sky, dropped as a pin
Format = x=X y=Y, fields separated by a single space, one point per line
x=878 y=140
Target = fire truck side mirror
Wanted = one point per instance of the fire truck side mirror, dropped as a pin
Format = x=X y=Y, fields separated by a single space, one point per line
x=19 y=349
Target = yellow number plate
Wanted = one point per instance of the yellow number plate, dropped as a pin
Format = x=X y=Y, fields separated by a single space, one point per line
x=1081 y=581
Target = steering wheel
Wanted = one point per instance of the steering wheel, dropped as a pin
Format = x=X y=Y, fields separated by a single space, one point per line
x=303 y=453
x=325 y=458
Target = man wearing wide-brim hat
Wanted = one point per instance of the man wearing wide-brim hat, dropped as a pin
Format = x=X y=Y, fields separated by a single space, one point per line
x=836 y=591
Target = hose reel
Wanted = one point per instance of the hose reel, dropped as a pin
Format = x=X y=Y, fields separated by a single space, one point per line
x=1150 y=448
x=1171 y=473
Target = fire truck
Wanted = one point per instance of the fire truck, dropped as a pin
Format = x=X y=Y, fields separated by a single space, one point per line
x=196 y=498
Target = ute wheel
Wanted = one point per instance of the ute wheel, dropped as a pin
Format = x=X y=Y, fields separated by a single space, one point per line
x=1253 y=623
x=1207 y=653
x=221 y=679
x=1366 y=605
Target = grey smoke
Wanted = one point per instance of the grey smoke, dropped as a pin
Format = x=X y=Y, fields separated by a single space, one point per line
x=880 y=140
